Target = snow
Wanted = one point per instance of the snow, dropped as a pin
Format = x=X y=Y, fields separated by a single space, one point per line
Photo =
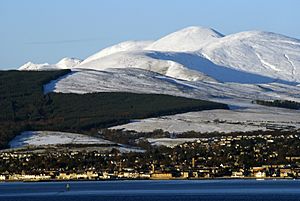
x=46 y=138
x=188 y=39
x=121 y=47
x=264 y=53
x=169 y=142
x=33 y=66
x=245 y=116
x=42 y=138
x=64 y=63
x=68 y=63
x=199 y=53
x=248 y=116
x=143 y=60
x=195 y=62
x=220 y=121
x=246 y=57
x=198 y=63
x=141 y=81
x=120 y=80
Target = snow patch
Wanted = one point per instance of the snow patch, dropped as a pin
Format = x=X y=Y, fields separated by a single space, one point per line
x=169 y=142
x=42 y=138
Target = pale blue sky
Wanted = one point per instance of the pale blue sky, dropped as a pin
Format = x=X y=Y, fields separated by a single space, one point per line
x=47 y=30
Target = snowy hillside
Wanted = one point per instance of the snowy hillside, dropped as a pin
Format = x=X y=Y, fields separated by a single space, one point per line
x=262 y=53
x=116 y=80
x=143 y=60
x=142 y=81
x=121 y=47
x=197 y=53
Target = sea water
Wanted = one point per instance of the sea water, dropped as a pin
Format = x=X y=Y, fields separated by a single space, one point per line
x=173 y=190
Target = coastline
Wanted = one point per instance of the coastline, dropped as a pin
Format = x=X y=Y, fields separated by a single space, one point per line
x=173 y=179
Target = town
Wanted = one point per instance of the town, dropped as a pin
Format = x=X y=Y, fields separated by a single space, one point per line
x=261 y=156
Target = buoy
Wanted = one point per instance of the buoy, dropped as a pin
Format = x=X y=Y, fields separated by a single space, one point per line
x=67 y=187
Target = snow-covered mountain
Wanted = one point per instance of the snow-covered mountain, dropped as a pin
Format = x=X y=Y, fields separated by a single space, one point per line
x=198 y=53
x=200 y=63
x=64 y=63
x=68 y=62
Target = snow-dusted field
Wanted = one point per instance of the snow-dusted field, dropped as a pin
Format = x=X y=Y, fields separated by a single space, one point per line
x=219 y=121
x=169 y=142
x=41 y=138
x=45 y=138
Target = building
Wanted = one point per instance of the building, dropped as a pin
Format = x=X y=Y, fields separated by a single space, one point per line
x=258 y=172
x=238 y=174
x=286 y=172
x=2 y=178
x=163 y=176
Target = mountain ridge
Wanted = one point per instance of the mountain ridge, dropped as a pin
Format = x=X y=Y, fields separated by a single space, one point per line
x=261 y=53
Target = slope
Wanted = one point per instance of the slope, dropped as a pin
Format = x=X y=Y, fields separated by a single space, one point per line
x=261 y=53
x=24 y=106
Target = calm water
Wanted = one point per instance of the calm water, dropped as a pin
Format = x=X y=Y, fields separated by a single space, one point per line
x=153 y=190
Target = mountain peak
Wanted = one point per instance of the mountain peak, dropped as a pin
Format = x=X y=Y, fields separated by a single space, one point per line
x=32 y=66
x=68 y=62
x=200 y=30
x=188 y=39
x=64 y=63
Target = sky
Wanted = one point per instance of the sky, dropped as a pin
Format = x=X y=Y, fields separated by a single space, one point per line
x=48 y=30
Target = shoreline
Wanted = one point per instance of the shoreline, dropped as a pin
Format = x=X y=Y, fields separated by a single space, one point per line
x=175 y=179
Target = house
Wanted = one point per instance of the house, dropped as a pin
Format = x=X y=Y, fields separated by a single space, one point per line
x=238 y=174
x=258 y=172
x=63 y=176
x=161 y=176
x=2 y=178
x=104 y=175
x=28 y=177
x=184 y=175
x=286 y=172
x=145 y=176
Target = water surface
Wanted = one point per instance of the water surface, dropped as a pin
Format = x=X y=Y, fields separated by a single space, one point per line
x=185 y=190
